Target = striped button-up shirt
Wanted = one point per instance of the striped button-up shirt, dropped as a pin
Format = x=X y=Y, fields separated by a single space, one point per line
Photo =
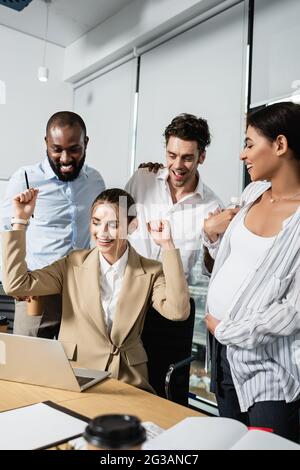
x=62 y=214
x=262 y=326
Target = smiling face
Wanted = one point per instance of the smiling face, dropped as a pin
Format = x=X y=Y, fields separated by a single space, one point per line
x=260 y=156
x=183 y=158
x=108 y=228
x=66 y=150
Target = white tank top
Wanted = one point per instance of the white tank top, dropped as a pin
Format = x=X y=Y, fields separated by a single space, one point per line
x=245 y=250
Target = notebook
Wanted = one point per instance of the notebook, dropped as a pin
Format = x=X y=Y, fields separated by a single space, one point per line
x=217 y=434
x=39 y=426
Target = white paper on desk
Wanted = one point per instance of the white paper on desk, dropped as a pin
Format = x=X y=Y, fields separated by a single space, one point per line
x=261 y=440
x=216 y=434
x=36 y=426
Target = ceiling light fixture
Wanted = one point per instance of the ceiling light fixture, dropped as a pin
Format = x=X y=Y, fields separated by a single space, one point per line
x=43 y=71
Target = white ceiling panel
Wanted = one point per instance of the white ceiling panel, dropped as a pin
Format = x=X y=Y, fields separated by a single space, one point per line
x=68 y=19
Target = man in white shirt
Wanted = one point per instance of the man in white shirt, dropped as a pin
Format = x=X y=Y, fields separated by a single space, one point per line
x=176 y=193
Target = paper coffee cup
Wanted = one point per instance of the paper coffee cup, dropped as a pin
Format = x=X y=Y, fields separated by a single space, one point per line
x=35 y=306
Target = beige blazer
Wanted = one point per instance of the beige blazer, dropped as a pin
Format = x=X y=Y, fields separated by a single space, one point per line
x=83 y=329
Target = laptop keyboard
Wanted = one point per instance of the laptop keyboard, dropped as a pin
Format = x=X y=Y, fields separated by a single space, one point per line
x=83 y=380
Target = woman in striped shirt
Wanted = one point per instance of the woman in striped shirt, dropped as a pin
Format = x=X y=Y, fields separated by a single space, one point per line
x=253 y=304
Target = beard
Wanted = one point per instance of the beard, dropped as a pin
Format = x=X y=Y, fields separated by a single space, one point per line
x=77 y=166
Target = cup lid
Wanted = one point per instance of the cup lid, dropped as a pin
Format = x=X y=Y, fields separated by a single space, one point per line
x=115 y=431
x=3 y=320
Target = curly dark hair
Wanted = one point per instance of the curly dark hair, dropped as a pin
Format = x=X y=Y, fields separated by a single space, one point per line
x=189 y=127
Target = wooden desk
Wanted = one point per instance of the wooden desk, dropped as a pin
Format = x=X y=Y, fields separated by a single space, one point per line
x=15 y=395
x=109 y=396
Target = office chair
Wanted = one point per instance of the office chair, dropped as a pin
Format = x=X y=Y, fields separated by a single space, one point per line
x=7 y=308
x=168 y=345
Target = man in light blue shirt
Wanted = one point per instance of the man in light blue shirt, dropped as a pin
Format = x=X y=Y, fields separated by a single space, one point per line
x=67 y=189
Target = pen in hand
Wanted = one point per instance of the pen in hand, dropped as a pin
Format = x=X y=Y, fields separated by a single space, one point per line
x=27 y=185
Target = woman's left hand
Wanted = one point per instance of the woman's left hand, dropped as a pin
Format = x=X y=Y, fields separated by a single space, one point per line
x=160 y=231
x=217 y=222
x=211 y=323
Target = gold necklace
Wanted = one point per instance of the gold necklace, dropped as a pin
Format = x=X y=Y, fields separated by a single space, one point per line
x=284 y=198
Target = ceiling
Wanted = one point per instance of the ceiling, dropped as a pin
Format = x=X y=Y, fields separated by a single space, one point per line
x=68 y=19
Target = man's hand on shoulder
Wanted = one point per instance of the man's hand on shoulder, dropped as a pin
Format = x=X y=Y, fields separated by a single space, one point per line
x=152 y=167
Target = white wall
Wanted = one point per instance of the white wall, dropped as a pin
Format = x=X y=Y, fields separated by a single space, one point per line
x=29 y=103
x=276 y=44
x=106 y=104
x=135 y=24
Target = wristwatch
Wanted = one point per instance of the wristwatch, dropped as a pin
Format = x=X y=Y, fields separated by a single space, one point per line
x=16 y=220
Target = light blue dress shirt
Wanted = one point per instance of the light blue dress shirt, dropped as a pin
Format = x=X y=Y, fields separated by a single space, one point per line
x=62 y=214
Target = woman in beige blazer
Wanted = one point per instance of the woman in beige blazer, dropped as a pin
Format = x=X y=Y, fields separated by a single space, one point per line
x=94 y=336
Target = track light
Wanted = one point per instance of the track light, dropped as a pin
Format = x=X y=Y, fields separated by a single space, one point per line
x=43 y=71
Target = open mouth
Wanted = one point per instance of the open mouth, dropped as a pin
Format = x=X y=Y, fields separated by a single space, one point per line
x=249 y=168
x=67 y=168
x=104 y=242
x=178 y=175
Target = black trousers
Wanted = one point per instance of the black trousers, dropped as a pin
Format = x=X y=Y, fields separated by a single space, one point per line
x=280 y=416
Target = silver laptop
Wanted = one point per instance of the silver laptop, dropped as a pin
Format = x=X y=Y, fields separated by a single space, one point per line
x=40 y=361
